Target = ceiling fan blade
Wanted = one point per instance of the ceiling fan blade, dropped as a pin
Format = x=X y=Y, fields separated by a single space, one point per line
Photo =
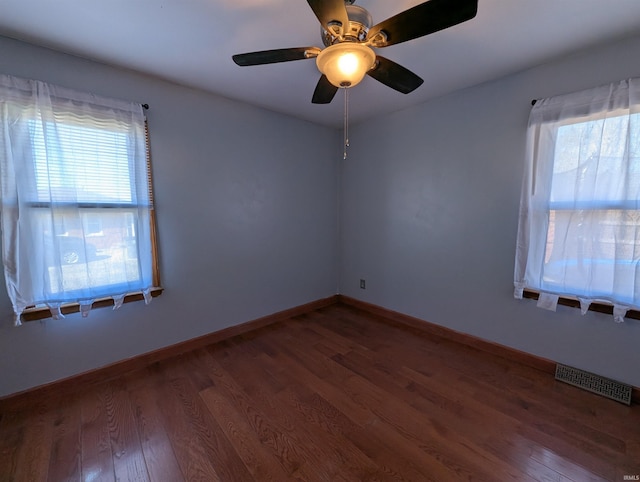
x=275 y=56
x=423 y=19
x=325 y=91
x=395 y=76
x=329 y=11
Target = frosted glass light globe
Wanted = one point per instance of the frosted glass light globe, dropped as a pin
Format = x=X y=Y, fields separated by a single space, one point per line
x=345 y=64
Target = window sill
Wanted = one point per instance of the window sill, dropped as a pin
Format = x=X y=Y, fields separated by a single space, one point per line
x=34 y=314
x=599 y=307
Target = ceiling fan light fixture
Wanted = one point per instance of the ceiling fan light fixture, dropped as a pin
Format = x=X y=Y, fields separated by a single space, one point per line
x=345 y=64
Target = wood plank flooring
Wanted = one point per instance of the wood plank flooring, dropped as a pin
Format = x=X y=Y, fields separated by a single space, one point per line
x=333 y=395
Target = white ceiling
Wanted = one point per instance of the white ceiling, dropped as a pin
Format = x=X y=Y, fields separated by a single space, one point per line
x=191 y=42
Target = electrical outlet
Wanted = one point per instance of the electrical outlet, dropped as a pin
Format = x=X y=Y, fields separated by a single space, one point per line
x=363 y=284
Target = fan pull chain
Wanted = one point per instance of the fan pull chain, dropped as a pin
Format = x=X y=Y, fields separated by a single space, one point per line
x=346 y=122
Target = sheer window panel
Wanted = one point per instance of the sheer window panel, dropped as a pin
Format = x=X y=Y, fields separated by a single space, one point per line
x=579 y=227
x=77 y=208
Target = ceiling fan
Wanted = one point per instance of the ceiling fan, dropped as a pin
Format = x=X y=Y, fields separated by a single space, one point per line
x=349 y=41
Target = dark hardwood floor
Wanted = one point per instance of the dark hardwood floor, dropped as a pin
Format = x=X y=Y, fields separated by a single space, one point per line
x=334 y=395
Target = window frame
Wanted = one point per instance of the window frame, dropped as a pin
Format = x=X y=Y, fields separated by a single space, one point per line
x=40 y=312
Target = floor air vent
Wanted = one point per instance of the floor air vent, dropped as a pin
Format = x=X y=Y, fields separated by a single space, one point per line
x=594 y=383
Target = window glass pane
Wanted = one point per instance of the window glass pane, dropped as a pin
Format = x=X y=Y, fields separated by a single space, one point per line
x=76 y=261
x=593 y=250
x=80 y=164
x=596 y=161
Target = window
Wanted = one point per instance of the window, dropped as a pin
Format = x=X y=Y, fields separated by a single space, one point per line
x=77 y=211
x=579 y=230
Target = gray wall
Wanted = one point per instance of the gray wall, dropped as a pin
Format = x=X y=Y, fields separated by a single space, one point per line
x=429 y=212
x=246 y=211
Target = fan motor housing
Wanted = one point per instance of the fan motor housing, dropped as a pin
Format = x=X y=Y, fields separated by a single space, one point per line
x=359 y=23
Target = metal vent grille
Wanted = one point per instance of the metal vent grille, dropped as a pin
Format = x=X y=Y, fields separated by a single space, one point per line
x=594 y=383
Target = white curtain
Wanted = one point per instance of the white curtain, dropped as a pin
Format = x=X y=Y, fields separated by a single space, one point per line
x=75 y=196
x=579 y=228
